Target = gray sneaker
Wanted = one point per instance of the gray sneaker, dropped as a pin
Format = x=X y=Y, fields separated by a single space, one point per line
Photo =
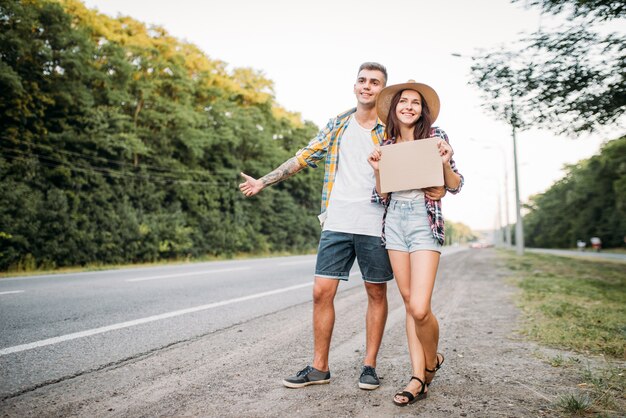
x=369 y=379
x=307 y=376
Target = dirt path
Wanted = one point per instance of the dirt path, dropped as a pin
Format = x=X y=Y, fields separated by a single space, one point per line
x=488 y=372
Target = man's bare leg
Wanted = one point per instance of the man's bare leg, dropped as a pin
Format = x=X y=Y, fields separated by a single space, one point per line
x=375 y=320
x=324 y=291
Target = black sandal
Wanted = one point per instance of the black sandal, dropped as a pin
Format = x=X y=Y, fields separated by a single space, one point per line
x=432 y=372
x=411 y=398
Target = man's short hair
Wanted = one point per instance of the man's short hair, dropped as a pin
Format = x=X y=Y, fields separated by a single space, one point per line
x=374 y=66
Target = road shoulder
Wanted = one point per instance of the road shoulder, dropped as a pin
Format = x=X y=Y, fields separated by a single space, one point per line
x=489 y=370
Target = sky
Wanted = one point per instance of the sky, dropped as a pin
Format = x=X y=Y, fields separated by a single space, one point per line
x=312 y=50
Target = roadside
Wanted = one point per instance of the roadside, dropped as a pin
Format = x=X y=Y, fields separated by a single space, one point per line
x=590 y=254
x=577 y=304
x=490 y=370
x=32 y=271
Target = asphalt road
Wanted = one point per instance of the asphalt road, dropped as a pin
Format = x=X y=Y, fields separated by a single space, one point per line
x=490 y=369
x=56 y=327
x=63 y=325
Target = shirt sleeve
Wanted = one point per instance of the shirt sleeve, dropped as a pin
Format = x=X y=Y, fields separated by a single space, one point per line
x=438 y=132
x=315 y=150
x=377 y=198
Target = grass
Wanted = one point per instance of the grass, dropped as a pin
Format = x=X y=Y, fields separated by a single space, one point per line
x=615 y=250
x=97 y=267
x=574 y=404
x=579 y=305
x=600 y=390
x=606 y=387
x=557 y=361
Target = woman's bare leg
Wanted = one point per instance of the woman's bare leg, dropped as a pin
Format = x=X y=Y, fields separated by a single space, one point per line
x=401 y=264
x=424 y=266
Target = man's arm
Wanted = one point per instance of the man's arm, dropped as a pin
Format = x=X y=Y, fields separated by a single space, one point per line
x=252 y=186
x=307 y=156
x=286 y=170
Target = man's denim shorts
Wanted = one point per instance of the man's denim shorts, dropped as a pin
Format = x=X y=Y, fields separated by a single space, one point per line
x=337 y=251
x=407 y=227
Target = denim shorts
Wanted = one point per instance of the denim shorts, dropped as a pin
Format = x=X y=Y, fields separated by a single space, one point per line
x=407 y=227
x=337 y=251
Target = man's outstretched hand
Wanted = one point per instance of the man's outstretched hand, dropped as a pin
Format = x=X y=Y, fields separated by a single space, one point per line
x=250 y=186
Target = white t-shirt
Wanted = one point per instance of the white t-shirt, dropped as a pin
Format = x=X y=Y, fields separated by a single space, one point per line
x=413 y=194
x=350 y=209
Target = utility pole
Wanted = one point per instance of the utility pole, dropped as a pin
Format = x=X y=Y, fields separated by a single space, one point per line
x=507 y=228
x=519 y=227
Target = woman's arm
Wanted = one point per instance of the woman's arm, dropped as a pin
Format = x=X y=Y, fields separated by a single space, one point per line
x=453 y=180
x=373 y=159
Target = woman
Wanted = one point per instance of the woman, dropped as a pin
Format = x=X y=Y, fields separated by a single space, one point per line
x=413 y=227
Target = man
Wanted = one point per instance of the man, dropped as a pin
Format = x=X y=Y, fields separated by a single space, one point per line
x=351 y=224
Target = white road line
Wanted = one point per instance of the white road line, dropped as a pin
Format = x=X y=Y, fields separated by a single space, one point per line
x=197 y=273
x=293 y=263
x=11 y=291
x=95 y=331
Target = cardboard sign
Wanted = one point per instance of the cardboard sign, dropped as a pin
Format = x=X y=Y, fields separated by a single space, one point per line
x=410 y=165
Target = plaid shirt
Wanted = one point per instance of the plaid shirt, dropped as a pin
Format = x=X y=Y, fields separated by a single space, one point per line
x=326 y=143
x=433 y=207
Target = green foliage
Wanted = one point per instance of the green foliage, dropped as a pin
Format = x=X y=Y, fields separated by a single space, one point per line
x=574 y=403
x=557 y=361
x=606 y=387
x=597 y=9
x=569 y=81
x=122 y=144
x=600 y=389
x=589 y=201
x=458 y=233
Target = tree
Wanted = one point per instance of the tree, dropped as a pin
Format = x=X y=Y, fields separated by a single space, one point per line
x=458 y=233
x=568 y=81
x=120 y=143
x=589 y=201
x=598 y=9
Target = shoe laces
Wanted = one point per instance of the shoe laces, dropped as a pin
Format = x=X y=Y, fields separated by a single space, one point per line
x=369 y=371
x=305 y=371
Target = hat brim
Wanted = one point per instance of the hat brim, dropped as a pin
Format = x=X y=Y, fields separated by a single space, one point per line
x=383 y=103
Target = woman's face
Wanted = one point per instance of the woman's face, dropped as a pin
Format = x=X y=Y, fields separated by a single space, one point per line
x=409 y=108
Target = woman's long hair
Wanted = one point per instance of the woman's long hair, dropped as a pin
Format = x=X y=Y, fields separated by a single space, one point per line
x=422 y=127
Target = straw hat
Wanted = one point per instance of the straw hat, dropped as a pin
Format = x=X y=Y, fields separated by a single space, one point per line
x=428 y=93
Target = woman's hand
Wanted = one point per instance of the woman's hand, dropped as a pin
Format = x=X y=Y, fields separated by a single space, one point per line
x=374 y=158
x=445 y=150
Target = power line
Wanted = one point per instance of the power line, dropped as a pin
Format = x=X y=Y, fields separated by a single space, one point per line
x=112 y=173
x=116 y=162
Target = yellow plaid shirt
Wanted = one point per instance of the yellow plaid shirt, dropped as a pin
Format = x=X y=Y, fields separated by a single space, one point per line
x=326 y=143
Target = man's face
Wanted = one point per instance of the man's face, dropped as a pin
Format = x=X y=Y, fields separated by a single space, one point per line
x=368 y=84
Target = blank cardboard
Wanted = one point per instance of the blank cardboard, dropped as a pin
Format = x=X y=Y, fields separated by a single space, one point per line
x=410 y=165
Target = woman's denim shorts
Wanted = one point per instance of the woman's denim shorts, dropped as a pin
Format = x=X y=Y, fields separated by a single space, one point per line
x=407 y=228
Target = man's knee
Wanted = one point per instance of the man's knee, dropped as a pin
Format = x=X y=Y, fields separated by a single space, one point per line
x=324 y=290
x=376 y=293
